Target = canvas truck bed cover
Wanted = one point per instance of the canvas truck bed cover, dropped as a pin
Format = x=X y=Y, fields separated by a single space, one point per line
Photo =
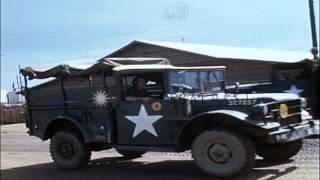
x=86 y=68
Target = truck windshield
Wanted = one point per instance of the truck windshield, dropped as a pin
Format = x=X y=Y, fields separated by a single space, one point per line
x=199 y=81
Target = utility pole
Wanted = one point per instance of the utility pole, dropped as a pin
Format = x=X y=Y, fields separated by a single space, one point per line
x=314 y=49
x=316 y=67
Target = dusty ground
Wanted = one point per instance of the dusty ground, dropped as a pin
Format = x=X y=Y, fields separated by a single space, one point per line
x=25 y=157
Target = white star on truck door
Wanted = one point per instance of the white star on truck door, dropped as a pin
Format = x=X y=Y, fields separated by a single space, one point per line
x=143 y=121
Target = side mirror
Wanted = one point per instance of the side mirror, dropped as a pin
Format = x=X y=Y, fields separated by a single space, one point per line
x=232 y=88
x=237 y=84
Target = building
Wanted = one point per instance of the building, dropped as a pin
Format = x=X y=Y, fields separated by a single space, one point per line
x=244 y=65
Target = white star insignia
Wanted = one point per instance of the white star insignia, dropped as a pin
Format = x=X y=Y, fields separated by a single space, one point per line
x=294 y=90
x=100 y=98
x=143 y=121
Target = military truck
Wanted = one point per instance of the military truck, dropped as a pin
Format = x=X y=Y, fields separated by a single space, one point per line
x=301 y=78
x=85 y=109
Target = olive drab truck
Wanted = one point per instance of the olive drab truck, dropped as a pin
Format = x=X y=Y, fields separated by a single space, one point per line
x=84 y=109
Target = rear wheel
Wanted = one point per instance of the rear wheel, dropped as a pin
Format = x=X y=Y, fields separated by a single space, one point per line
x=131 y=154
x=279 y=152
x=68 y=150
x=222 y=153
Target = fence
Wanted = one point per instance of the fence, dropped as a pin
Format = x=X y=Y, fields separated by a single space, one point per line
x=12 y=114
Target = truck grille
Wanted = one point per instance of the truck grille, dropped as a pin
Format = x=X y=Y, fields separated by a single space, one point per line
x=293 y=114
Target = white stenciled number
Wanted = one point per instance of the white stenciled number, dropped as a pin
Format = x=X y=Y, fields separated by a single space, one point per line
x=244 y=102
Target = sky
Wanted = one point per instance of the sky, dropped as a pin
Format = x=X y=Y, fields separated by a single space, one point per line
x=38 y=32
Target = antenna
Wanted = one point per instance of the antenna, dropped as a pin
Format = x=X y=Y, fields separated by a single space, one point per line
x=314 y=49
x=21 y=86
x=20 y=81
x=18 y=85
x=182 y=39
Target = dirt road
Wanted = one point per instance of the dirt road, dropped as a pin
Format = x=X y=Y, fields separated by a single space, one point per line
x=25 y=157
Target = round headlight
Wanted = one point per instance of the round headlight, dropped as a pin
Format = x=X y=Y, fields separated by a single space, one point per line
x=303 y=102
x=283 y=110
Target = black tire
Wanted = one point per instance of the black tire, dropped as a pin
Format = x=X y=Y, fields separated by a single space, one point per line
x=222 y=153
x=68 y=150
x=279 y=152
x=131 y=154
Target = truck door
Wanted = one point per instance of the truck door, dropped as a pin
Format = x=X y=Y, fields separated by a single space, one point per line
x=144 y=123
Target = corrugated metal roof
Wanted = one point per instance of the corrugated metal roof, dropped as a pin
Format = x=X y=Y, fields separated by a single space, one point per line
x=161 y=67
x=228 y=52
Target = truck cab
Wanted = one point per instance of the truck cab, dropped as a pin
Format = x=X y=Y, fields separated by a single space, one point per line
x=179 y=109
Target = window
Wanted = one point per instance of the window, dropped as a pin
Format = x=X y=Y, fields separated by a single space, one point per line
x=97 y=80
x=196 y=81
x=153 y=83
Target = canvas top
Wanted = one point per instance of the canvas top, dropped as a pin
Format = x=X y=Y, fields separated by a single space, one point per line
x=86 y=68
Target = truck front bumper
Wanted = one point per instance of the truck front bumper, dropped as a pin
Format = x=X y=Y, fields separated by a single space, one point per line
x=292 y=133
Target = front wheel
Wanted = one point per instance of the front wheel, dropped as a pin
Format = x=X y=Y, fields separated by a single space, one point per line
x=279 y=152
x=222 y=153
x=68 y=150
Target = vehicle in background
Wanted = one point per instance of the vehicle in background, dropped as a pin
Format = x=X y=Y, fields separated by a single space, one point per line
x=298 y=78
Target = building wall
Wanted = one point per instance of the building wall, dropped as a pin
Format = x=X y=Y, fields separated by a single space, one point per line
x=237 y=70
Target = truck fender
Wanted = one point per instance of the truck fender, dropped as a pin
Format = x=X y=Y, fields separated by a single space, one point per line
x=228 y=116
x=233 y=120
x=87 y=136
